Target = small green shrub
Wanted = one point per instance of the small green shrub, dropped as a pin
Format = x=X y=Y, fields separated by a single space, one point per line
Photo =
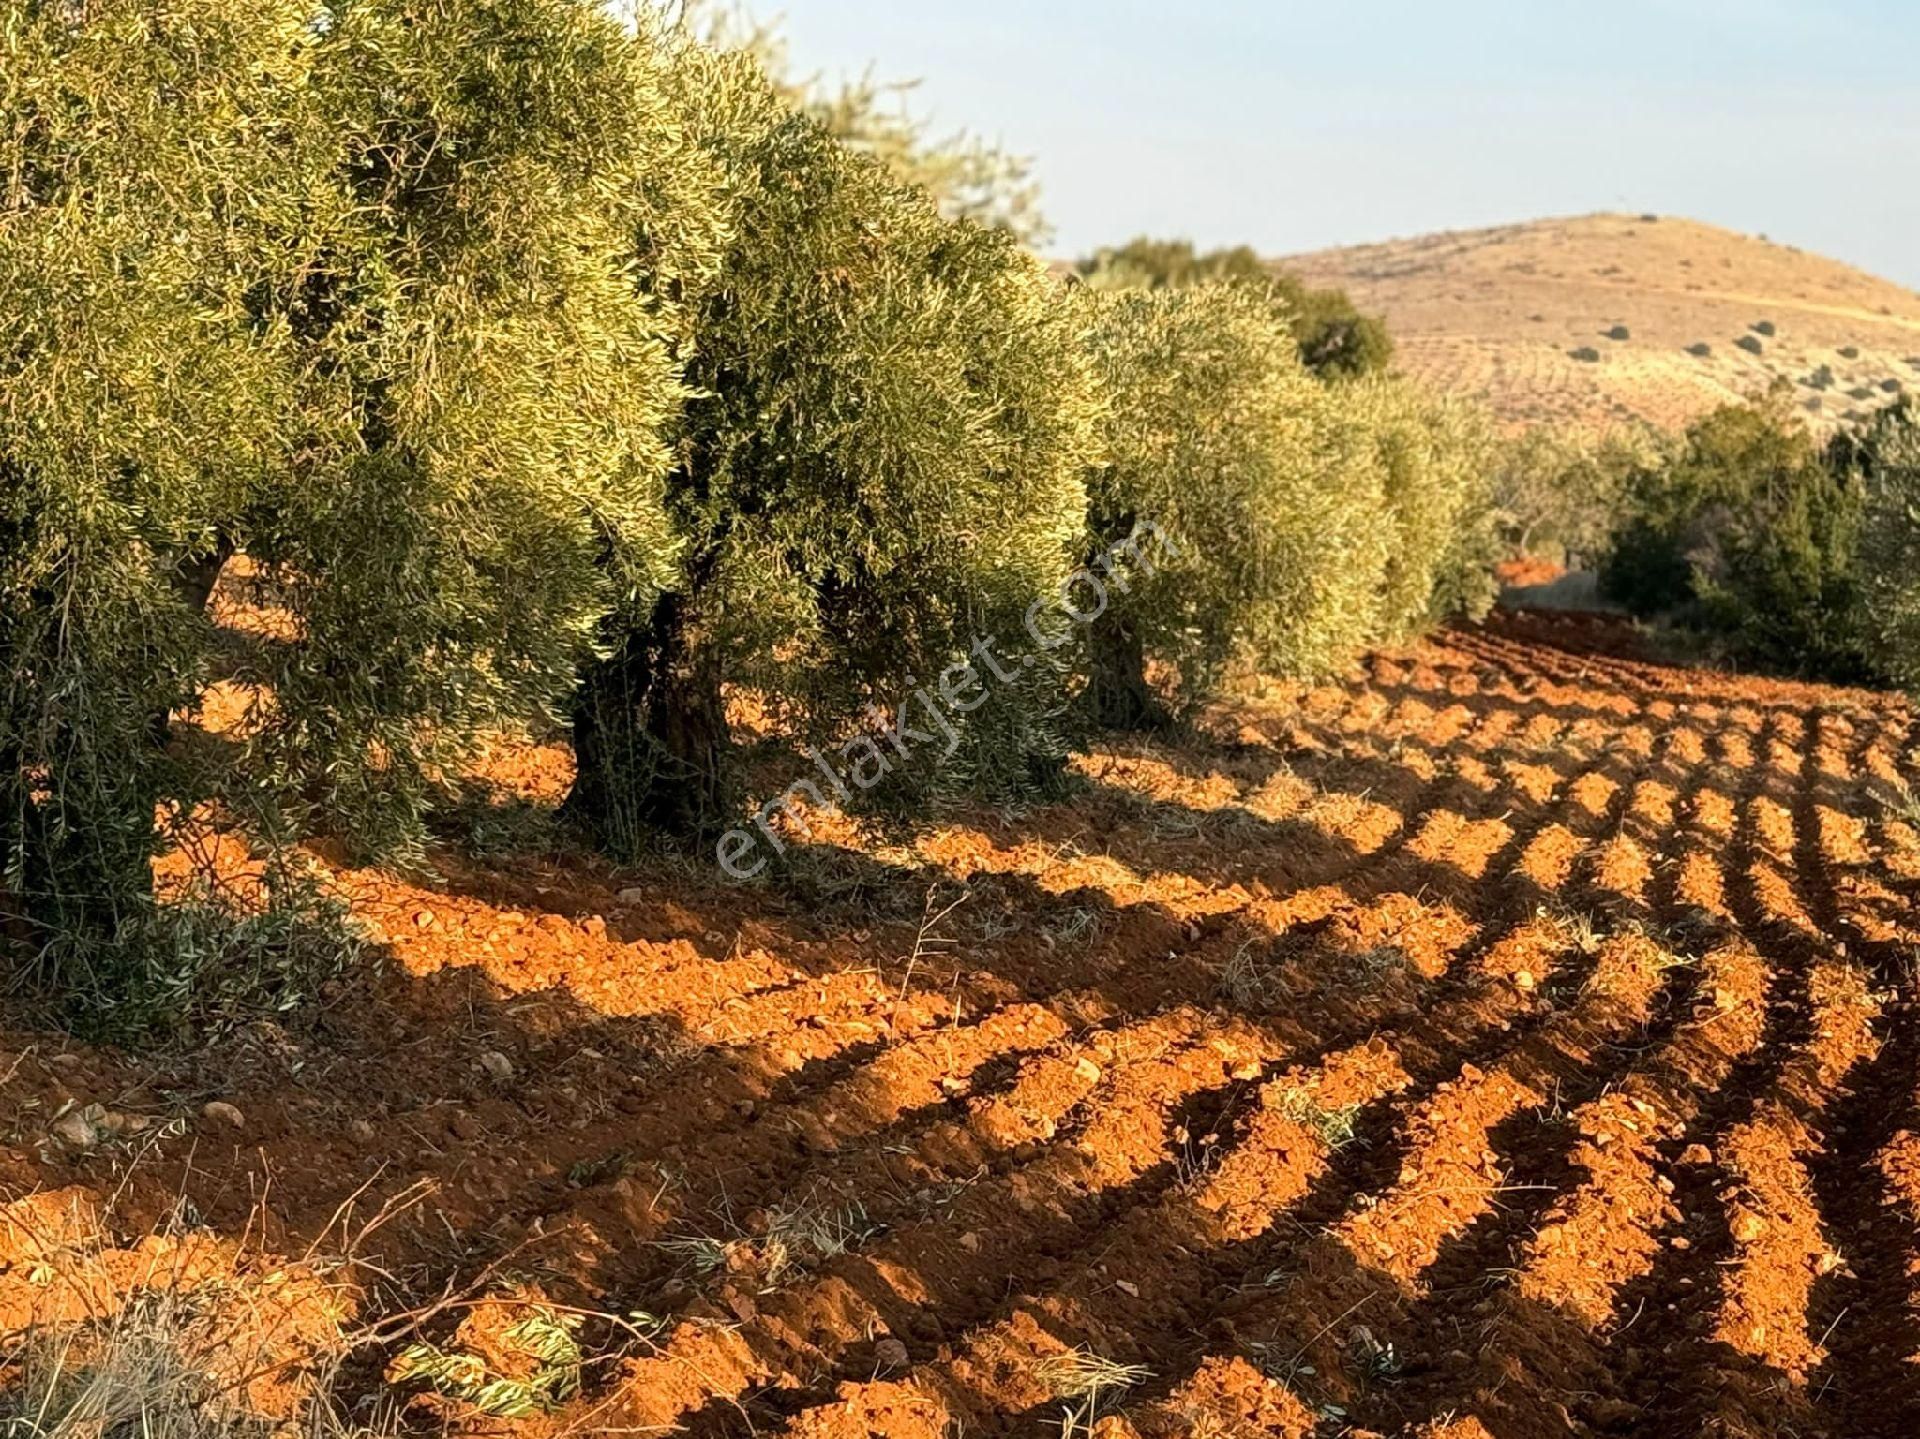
x=1585 y=354
x=1700 y=349
x=1764 y=327
x=203 y=963
x=1751 y=344
x=1619 y=332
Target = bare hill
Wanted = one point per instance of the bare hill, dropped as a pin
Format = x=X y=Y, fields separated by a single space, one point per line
x=1610 y=318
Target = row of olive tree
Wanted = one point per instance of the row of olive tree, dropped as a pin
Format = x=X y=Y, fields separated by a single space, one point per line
x=547 y=368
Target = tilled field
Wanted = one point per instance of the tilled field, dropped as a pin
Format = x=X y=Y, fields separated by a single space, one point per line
x=1515 y=1040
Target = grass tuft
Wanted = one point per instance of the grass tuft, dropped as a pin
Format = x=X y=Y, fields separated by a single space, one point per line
x=1088 y=1382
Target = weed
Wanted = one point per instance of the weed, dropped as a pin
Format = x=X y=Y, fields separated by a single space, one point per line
x=543 y=1337
x=1087 y=1382
x=1337 y=1126
x=797 y=1237
x=1581 y=931
x=1244 y=981
x=166 y=1349
x=590 y=1172
x=702 y=1253
x=1902 y=801
x=802 y=1235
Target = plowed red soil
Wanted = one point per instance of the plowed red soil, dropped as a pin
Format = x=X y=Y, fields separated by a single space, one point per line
x=1514 y=1040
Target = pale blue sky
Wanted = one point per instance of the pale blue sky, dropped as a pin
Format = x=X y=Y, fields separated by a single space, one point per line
x=1291 y=126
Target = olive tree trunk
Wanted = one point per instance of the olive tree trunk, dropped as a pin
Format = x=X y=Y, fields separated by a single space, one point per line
x=650 y=738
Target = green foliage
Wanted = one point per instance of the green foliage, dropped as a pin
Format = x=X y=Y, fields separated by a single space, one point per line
x=543 y=1343
x=1207 y=417
x=1561 y=494
x=473 y=312
x=348 y=288
x=1887 y=459
x=1749 y=533
x=1334 y=338
x=206 y=962
x=882 y=460
x=969 y=177
x=1435 y=456
x=151 y=172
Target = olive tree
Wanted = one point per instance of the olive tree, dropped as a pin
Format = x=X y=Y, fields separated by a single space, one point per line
x=1336 y=340
x=154 y=161
x=502 y=375
x=1436 y=458
x=882 y=460
x=350 y=288
x=1193 y=517
x=1887 y=458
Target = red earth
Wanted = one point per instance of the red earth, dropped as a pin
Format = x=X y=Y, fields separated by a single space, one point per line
x=1514 y=1039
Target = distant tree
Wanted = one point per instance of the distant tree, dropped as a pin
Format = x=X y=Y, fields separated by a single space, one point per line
x=883 y=461
x=1562 y=493
x=1886 y=459
x=1748 y=531
x=1334 y=338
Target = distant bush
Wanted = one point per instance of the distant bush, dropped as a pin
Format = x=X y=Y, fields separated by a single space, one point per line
x=1619 y=332
x=1849 y=352
x=1764 y=327
x=1892 y=386
x=1822 y=378
x=1750 y=344
x=1335 y=339
x=1887 y=459
x=1700 y=349
x=1586 y=355
x=1749 y=533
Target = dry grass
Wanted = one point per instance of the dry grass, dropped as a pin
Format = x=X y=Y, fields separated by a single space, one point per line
x=180 y=1336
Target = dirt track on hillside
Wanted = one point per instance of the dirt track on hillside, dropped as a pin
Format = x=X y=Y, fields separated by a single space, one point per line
x=1514 y=1041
